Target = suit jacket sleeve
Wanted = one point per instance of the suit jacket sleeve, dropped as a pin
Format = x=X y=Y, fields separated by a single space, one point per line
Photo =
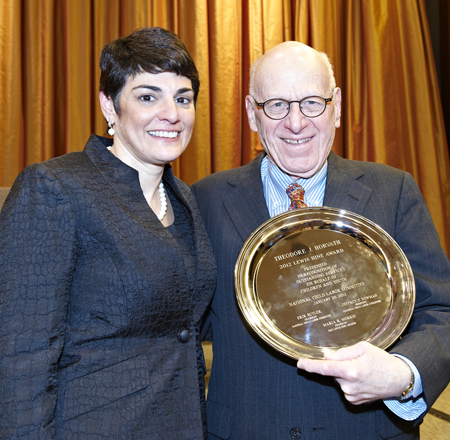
x=37 y=248
x=427 y=341
x=392 y=199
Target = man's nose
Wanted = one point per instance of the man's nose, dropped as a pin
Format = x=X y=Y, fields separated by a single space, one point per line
x=296 y=121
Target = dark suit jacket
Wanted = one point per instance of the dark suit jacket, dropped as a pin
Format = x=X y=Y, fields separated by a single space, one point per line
x=256 y=393
x=94 y=295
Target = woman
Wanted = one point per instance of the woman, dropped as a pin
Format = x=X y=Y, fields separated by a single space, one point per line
x=106 y=267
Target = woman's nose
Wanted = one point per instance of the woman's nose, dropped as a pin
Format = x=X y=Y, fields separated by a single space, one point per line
x=169 y=111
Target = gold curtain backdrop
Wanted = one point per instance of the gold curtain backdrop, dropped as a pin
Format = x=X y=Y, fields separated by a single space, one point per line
x=380 y=49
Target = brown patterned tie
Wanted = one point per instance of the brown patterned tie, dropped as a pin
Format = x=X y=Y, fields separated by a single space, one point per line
x=297 y=195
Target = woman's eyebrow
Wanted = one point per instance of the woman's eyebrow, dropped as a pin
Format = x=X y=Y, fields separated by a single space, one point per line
x=145 y=86
x=158 y=89
x=185 y=89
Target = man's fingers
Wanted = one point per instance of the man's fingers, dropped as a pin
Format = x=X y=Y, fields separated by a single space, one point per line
x=323 y=367
x=348 y=353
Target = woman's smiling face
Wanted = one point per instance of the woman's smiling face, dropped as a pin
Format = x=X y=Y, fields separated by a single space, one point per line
x=157 y=115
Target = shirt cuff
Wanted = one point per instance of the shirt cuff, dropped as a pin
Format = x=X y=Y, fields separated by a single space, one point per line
x=413 y=405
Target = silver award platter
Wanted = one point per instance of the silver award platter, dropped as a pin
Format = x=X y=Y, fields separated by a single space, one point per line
x=318 y=279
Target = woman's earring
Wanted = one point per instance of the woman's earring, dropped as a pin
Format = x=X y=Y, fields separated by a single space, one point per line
x=111 y=130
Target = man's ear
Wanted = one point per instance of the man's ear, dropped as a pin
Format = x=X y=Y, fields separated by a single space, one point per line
x=251 y=113
x=107 y=106
x=337 y=107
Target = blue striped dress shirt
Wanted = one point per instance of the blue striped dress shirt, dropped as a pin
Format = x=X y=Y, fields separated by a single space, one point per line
x=275 y=183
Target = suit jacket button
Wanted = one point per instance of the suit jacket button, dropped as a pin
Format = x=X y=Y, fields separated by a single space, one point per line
x=295 y=433
x=184 y=336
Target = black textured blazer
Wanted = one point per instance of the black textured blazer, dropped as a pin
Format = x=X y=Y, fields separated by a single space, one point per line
x=95 y=295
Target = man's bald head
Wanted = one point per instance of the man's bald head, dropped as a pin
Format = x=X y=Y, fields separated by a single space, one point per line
x=287 y=54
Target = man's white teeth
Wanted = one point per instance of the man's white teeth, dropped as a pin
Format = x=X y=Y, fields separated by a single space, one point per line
x=164 y=134
x=299 y=141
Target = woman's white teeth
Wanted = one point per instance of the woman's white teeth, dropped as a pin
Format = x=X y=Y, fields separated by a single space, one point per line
x=299 y=141
x=164 y=134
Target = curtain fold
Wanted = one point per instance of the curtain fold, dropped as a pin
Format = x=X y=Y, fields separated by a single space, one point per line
x=380 y=49
x=12 y=149
x=194 y=31
x=225 y=86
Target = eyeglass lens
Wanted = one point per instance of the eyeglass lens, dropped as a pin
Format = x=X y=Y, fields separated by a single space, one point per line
x=279 y=108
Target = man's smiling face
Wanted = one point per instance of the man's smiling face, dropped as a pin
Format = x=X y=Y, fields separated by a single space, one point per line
x=298 y=145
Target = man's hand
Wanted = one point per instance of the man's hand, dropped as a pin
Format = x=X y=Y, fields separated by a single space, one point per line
x=364 y=372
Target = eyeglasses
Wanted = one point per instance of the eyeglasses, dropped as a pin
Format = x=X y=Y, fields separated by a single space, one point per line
x=311 y=107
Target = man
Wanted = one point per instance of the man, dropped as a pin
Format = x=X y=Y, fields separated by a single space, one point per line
x=356 y=392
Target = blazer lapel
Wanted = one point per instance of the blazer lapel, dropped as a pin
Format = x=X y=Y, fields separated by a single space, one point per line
x=343 y=190
x=245 y=203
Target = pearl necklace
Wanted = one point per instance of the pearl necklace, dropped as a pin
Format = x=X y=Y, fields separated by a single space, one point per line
x=163 y=201
x=162 y=198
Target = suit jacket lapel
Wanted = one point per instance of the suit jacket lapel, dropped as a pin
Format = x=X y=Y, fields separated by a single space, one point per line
x=245 y=201
x=343 y=190
x=247 y=208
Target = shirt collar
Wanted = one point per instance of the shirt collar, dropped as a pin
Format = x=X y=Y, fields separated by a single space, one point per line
x=276 y=181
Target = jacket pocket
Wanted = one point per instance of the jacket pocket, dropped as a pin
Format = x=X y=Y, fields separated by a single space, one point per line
x=219 y=419
x=104 y=386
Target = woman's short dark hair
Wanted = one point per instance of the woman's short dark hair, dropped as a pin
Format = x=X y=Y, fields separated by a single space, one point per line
x=151 y=50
